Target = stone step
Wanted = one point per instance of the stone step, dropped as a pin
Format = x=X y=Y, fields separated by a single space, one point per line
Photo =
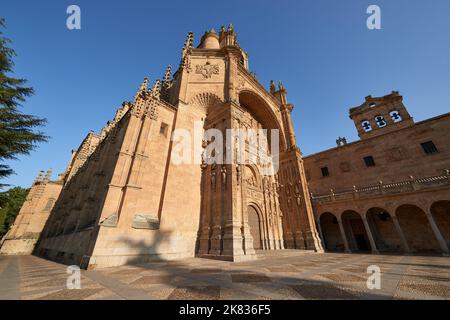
x=261 y=254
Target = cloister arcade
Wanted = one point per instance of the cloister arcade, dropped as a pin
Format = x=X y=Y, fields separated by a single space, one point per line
x=405 y=227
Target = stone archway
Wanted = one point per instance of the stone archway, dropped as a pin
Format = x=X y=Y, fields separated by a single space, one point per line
x=331 y=234
x=441 y=214
x=263 y=113
x=417 y=229
x=383 y=230
x=254 y=224
x=355 y=231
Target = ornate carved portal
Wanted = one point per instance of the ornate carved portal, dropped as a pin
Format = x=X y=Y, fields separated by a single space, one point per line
x=240 y=210
x=263 y=209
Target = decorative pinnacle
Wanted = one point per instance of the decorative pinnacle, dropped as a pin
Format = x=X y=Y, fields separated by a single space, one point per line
x=39 y=176
x=156 y=91
x=189 y=41
x=167 y=76
x=144 y=85
x=48 y=174
x=185 y=62
x=142 y=88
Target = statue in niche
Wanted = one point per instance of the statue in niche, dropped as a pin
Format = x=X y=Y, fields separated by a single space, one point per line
x=238 y=174
x=223 y=170
x=213 y=179
x=299 y=200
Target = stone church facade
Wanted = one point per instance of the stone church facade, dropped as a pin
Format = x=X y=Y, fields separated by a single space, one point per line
x=123 y=199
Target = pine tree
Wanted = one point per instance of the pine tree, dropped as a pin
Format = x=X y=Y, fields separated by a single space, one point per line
x=10 y=203
x=17 y=134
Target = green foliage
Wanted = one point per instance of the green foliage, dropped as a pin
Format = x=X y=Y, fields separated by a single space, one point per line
x=10 y=203
x=17 y=135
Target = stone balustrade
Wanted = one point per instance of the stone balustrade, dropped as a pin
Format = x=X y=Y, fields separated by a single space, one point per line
x=410 y=185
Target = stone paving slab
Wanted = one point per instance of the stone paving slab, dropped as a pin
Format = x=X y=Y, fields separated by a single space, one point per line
x=292 y=275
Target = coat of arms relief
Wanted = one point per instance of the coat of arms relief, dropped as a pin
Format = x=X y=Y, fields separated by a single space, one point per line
x=207 y=70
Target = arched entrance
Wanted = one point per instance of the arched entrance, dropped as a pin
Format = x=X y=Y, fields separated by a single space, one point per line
x=330 y=232
x=441 y=214
x=417 y=229
x=254 y=224
x=383 y=230
x=355 y=231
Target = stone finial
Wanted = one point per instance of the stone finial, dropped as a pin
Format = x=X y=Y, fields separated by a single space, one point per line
x=341 y=141
x=273 y=88
x=40 y=176
x=48 y=174
x=280 y=85
x=230 y=27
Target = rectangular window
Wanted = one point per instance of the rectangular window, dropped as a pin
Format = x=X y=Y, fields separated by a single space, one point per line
x=369 y=161
x=325 y=172
x=429 y=147
x=163 y=129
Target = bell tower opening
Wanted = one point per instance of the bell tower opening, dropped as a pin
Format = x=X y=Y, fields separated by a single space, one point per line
x=380 y=115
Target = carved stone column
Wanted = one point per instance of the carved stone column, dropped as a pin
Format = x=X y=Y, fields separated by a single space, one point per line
x=216 y=226
x=205 y=222
x=401 y=234
x=319 y=229
x=437 y=233
x=369 y=234
x=344 y=237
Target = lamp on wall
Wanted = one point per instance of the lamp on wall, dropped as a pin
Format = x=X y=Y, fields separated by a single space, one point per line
x=383 y=216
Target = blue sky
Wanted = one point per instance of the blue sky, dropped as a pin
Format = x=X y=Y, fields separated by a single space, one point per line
x=322 y=51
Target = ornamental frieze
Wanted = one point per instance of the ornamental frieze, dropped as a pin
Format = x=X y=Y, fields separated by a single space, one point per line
x=255 y=194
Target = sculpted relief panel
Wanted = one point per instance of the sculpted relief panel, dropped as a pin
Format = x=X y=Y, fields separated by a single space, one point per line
x=210 y=70
x=207 y=69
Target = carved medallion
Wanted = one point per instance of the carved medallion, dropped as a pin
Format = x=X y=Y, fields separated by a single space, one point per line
x=240 y=83
x=207 y=70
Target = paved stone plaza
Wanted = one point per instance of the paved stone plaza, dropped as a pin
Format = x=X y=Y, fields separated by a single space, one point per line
x=278 y=275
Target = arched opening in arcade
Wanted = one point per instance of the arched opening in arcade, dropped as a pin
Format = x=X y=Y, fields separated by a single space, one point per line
x=331 y=235
x=355 y=231
x=417 y=229
x=441 y=214
x=383 y=229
